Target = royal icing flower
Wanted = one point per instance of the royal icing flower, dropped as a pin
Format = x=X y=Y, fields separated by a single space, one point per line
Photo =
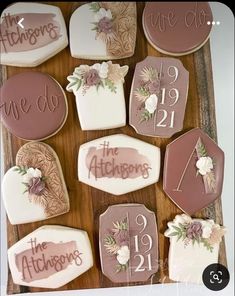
x=183 y=219
x=103 y=13
x=206 y=231
x=194 y=230
x=204 y=165
x=105 y=25
x=102 y=69
x=91 y=77
x=36 y=186
x=122 y=237
x=123 y=255
x=151 y=103
x=30 y=174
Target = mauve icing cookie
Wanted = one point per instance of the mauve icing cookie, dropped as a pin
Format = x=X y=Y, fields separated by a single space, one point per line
x=118 y=164
x=177 y=28
x=103 y=30
x=33 y=106
x=128 y=242
x=193 y=171
x=99 y=95
x=194 y=245
x=158 y=97
x=50 y=257
x=34 y=189
x=42 y=36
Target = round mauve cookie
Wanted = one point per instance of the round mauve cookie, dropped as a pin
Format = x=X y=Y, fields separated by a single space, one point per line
x=177 y=28
x=33 y=106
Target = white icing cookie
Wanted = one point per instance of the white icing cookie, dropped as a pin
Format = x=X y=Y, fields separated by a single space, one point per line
x=103 y=30
x=42 y=36
x=99 y=95
x=50 y=257
x=118 y=164
x=194 y=244
x=34 y=189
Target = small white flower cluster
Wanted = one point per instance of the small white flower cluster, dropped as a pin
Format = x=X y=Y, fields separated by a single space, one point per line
x=151 y=103
x=101 y=13
x=31 y=173
x=204 y=165
x=123 y=255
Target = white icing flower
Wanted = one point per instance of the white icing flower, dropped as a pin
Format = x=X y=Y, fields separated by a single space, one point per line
x=103 y=13
x=206 y=230
x=183 y=219
x=31 y=173
x=102 y=69
x=123 y=255
x=204 y=165
x=151 y=103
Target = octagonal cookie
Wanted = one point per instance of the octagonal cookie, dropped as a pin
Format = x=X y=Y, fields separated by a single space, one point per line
x=41 y=35
x=118 y=164
x=128 y=243
x=103 y=30
x=34 y=189
x=50 y=257
x=177 y=28
x=158 y=97
x=33 y=105
x=193 y=171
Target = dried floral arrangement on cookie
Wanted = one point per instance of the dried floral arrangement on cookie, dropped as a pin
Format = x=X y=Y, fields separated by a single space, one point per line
x=33 y=179
x=117 y=244
x=115 y=25
x=205 y=166
x=98 y=75
x=148 y=93
x=191 y=231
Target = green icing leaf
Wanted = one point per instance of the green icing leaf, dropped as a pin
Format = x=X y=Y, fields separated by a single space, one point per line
x=21 y=170
x=110 y=84
x=94 y=6
x=145 y=116
x=201 y=149
x=207 y=245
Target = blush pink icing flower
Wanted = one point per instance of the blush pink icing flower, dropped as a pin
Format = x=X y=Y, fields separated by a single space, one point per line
x=194 y=230
x=105 y=25
x=36 y=186
x=91 y=77
x=154 y=87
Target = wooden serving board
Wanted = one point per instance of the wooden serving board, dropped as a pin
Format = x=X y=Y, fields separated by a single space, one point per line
x=88 y=203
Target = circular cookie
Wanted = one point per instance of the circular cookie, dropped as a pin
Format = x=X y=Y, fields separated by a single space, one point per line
x=33 y=105
x=177 y=28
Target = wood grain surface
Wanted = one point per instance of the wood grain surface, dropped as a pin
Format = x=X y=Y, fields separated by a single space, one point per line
x=88 y=203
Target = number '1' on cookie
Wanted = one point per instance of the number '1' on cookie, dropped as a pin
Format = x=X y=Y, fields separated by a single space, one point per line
x=158 y=97
x=128 y=243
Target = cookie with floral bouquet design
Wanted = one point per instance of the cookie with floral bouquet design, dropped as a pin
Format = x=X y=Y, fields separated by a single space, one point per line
x=103 y=30
x=34 y=189
x=158 y=97
x=99 y=95
x=193 y=171
x=194 y=244
x=128 y=241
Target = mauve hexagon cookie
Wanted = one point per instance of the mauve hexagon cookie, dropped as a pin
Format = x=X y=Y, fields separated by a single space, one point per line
x=193 y=171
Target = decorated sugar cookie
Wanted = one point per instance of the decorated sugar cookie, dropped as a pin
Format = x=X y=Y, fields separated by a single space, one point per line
x=99 y=95
x=118 y=164
x=128 y=243
x=103 y=30
x=158 y=97
x=31 y=33
x=50 y=257
x=34 y=189
x=194 y=244
x=193 y=171
x=177 y=28
x=33 y=105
